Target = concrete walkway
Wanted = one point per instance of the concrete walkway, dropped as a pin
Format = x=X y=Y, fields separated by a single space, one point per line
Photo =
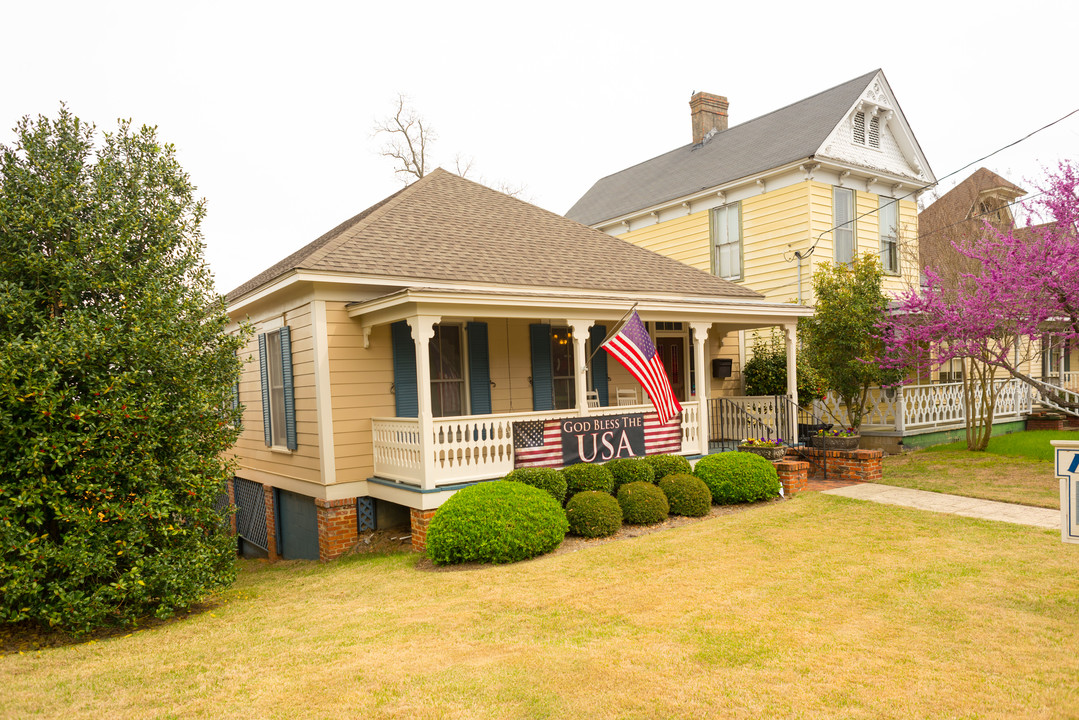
x=953 y=504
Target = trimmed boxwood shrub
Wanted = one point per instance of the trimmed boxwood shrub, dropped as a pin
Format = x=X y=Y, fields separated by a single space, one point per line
x=593 y=514
x=495 y=522
x=627 y=470
x=664 y=465
x=735 y=477
x=642 y=503
x=687 y=495
x=546 y=479
x=586 y=476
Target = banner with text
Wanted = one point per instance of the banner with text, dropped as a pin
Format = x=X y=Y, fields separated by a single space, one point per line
x=561 y=442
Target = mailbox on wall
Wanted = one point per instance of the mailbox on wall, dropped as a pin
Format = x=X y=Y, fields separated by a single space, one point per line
x=721 y=367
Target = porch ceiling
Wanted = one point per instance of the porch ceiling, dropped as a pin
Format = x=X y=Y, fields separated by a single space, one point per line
x=411 y=302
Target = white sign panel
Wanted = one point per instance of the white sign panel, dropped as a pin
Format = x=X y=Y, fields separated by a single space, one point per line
x=1067 y=469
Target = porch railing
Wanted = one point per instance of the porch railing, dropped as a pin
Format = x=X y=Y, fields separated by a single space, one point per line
x=920 y=407
x=477 y=447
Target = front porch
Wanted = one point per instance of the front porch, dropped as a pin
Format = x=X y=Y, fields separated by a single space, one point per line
x=455 y=421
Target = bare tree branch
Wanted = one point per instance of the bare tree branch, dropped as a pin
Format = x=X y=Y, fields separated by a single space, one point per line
x=408 y=138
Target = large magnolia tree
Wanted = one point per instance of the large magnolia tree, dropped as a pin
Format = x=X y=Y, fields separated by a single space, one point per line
x=116 y=378
x=1025 y=285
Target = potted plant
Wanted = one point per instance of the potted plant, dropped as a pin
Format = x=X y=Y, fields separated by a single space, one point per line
x=840 y=439
x=765 y=447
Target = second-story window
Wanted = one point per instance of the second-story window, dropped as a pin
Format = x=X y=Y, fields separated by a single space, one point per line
x=727 y=241
x=889 y=234
x=843 y=221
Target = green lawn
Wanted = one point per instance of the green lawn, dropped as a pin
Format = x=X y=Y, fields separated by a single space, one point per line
x=818 y=606
x=1015 y=468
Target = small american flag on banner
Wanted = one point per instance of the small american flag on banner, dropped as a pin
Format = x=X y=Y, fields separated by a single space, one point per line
x=633 y=348
x=660 y=437
x=537 y=443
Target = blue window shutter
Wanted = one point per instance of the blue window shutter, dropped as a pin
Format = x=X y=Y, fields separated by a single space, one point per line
x=542 y=376
x=479 y=369
x=264 y=373
x=286 y=380
x=406 y=396
x=598 y=333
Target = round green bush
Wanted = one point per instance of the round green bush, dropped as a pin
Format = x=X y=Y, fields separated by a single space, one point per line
x=593 y=514
x=546 y=479
x=735 y=477
x=664 y=465
x=687 y=495
x=495 y=522
x=642 y=503
x=586 y=476
x=627 y=470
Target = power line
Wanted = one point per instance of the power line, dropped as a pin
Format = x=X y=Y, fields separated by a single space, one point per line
x=799 y=254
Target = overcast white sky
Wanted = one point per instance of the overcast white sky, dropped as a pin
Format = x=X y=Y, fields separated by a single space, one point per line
x=271 y=105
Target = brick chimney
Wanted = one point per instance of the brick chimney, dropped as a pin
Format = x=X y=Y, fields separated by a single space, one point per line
x=708 y=112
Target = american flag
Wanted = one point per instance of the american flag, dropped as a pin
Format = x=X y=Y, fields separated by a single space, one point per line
x=632 y=347
x=538 y=443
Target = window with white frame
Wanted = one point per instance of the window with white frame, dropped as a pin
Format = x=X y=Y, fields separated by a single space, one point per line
x=889 y=234
x=447 y=371
x=277 y=387
x=563 y=371
x=843 y=222
x=727 y=241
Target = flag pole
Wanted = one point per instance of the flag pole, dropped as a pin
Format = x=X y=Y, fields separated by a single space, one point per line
x=612 y=333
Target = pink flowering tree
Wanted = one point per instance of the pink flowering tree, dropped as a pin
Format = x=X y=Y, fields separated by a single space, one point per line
x=1026 y=287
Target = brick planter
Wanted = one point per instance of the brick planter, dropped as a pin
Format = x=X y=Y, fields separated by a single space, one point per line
x=1044 y=423
x=844 y=465
x=793 y=476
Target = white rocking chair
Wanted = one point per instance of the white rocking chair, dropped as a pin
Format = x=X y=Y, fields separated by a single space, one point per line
x=592 y=398
x=626 y=396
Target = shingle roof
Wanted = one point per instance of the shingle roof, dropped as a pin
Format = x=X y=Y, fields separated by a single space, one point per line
x=955 y=205
x=445 y=228
x=791 y=133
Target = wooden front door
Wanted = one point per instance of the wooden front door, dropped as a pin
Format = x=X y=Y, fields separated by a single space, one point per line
x=672 y=350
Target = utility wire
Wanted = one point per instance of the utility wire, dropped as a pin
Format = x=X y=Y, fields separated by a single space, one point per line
x=799 y=254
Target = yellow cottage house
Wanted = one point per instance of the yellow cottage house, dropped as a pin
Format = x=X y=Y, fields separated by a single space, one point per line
x=439 y=338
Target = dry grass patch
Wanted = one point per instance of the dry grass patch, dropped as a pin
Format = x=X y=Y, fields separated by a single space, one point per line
x=814 y=607
x=980 y=475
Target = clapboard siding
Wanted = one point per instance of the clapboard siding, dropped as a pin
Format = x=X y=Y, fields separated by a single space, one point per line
x=773 y=225
x=685 y=239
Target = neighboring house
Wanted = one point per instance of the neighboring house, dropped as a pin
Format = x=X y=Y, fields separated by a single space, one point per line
x=961 y=214
x=765 y=202
x=417 y=347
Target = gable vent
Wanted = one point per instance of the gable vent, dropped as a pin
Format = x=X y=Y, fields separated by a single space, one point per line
x=859 y=128
x=874 y=132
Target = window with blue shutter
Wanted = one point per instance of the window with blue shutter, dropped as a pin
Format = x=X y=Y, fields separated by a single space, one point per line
x=597 y=334
x=542 y=379
x=406 y=396
x=278 y=399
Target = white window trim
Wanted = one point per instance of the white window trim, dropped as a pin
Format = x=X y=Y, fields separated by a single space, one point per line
x=853 y=225
x=735 y=206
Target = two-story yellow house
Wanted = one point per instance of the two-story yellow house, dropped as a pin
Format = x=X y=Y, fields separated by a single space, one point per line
x=763 y=203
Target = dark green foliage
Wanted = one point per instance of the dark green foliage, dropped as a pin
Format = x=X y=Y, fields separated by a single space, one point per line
x=495 y=522
x=593 y=514
x=586 y=476
x=766 y=372
x=627 y=470
x=664 y=465
x=116 y=379
x=738 y=477
x=687 y=495
x=546 y=479
x=842 y=339
x=642 y=503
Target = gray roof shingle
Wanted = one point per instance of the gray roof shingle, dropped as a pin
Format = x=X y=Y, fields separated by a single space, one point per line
x=769 y=141
x=445 y=228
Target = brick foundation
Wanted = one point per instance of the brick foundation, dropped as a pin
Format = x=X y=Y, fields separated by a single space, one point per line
x=421 y=519
x=1071 y=422
x=271 y=524
x=1044 y=424
x=336 y=527
x=793 y=475
x=844 y=465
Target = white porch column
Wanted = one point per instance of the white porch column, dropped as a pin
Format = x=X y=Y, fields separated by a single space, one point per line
x=423 y=329
x=702 y=380
x=579 y=330
x=1060 y=364
x=791 y=333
